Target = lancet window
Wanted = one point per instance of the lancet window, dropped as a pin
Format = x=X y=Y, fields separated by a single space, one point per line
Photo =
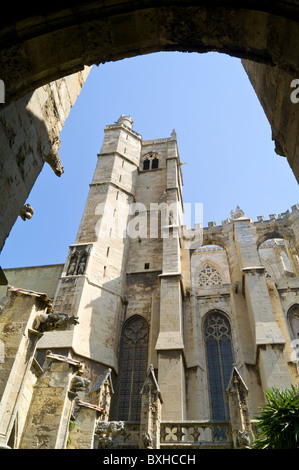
x=150 y=161
x=293 y=319
x=133 y=367
x=219 y=358
x=146 y=164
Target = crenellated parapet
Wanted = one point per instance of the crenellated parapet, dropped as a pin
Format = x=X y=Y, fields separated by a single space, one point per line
x=275 y=226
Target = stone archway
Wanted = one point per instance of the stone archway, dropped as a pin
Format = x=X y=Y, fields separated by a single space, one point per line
x=41 y=43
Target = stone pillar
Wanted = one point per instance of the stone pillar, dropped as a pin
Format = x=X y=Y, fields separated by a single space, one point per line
x=151 y=402
x=266 y=333
x=82 y=428
x=294 y=219
x=237 y=397
x=170 y=344
x=47 y=424
x=18 y=340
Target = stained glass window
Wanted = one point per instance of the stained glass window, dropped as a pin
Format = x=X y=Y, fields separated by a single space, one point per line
x=219 y=356
x=132 y=368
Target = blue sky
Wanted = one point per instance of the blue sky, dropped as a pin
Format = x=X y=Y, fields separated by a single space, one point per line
x=223 y=136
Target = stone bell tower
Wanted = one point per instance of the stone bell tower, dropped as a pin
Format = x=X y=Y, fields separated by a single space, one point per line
x=92 y=282
x=122 y=276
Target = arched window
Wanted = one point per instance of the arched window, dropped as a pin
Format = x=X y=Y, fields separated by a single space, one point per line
x=293 y=319
x=133 y=366
x=146 y=164
x=150 y=161
x=155 y=163
x=219 y=357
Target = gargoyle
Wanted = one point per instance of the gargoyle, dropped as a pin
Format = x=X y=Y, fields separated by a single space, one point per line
x=53 y=321
x=110 y=427
x=147 y=441
x=244 y=439
x=108 y=430
x=79 y=384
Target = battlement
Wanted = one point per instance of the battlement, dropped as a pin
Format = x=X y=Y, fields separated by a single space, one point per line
x=260 y=218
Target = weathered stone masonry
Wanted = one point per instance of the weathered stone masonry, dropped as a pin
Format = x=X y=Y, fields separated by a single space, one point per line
x=158 y=335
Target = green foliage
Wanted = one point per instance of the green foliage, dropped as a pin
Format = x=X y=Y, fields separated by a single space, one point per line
x=278 y=420
x=72 y=424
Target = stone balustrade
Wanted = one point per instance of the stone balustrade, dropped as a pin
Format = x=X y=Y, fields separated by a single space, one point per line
x=178 y=434
x=195 y=433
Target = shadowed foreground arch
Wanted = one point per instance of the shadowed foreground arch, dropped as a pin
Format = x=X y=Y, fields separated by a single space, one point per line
x=41 y=43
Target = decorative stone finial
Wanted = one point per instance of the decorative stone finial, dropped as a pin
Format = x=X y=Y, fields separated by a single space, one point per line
x=126 y=120
x=237 y=213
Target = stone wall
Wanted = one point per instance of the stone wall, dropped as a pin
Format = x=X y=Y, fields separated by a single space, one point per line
x=273 y=89
x=36 y=278
x=29 y=136
x=18 y=340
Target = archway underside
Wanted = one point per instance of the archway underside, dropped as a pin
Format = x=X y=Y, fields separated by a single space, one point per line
x=48 y=43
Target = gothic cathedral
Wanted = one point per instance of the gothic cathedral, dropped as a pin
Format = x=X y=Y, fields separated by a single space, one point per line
x=152 y=334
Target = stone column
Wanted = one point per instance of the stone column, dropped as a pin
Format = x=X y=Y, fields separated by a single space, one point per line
x=170 y=349
x=151 y=402
x=294 y=219
x=47 y=424
x=170 y=344
x=268 y=338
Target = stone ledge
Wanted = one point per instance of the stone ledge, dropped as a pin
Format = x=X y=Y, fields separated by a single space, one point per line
x=169 y=340
x=176 y=274
x=268 y=333
x=253 y=269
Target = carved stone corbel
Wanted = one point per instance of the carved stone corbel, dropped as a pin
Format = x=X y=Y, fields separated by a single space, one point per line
x=26 y=212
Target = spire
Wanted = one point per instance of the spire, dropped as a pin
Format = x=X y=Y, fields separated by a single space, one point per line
x=173 y=135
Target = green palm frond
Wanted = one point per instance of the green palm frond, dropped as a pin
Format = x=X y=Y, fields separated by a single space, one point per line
x=278 y=420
